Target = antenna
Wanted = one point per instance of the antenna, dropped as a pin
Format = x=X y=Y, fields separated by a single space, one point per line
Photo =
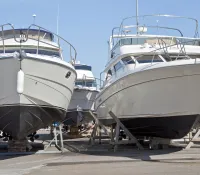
x=137 y=23
x=58 y=14
x=34 y=16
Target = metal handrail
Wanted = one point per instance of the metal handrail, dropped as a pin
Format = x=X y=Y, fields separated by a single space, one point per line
x=120 y=31
x=3 y=38
x=2 y=31
x=58 y=42
x=159 y=27
x=167 y=46
x=167 y=16
x=164 y=48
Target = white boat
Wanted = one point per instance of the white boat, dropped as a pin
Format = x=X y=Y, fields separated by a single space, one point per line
x=83 y=97
x=36 y=83
x=152 y=81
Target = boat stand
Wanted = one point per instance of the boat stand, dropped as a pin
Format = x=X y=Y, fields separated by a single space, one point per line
x=117 y=141
x=114 y=135
x=194 y=136
x=96 y=133
x=194 y=139
x=57 y=140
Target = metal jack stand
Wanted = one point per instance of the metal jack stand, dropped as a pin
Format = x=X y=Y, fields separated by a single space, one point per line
x=114 y=136
x=58 y=144
x=117 y=142
x=96 y=133
x=194 y=139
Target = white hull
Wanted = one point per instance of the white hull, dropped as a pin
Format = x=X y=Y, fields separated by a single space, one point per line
x=164 y=91
x=81 y=103
x=82 y=99
x=154 y=93
x=45 y=96
x=45 y=83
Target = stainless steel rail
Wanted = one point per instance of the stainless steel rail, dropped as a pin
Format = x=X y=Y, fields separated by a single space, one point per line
x=23 y=39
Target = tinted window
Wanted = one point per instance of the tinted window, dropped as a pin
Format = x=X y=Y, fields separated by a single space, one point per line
x=83 y=67
x=149 y=59
x=49 y=53
x=86 y=83
x=34 y=51
x=79 y=83
x=128 y=60
x=194 y=56
x=109 y=72
x=118 y=66
x=175 y=57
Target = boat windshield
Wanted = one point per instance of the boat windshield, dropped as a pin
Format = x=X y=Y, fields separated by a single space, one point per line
x=86 y=83
x=156 y=40
x=48 y=52
x=83 y=67
x=32 y=34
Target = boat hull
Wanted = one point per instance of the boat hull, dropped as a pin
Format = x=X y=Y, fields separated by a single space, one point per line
x=172 y=127
x=20 y=121
x=44 y=99
x=81 y=103
x=154 y=100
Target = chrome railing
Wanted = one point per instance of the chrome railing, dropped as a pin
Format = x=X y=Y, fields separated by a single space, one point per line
x=22 y=38
x=162 y=50
x=121 y=28
x=2 y=38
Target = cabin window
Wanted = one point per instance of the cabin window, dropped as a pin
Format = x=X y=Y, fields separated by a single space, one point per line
x=49 y=53
x=79 y=83
x=109 y=72
x=127 y=41
x=117 y=66
x=33 y=51
x=148 y=59
x=128 y=60
x=91 y=84
x=174 y=57
x=83 y=67
x=194 y=56
x=86 y=83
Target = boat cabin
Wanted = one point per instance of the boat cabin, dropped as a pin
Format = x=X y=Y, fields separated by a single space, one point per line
x=32 y=41
x=85 y=77
x=131 y=48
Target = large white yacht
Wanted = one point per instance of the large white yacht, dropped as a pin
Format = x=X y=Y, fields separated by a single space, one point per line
x=83 y=97
x=152 y=77
x=36 y=83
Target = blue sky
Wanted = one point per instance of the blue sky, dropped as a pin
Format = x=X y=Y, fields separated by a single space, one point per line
x=87 y=24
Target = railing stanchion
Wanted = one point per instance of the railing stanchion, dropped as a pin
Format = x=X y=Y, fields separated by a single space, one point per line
x=38 y=41
x=3 y=40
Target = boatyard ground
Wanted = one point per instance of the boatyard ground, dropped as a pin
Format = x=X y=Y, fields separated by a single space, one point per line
x=100 y=159
x=131 y=162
